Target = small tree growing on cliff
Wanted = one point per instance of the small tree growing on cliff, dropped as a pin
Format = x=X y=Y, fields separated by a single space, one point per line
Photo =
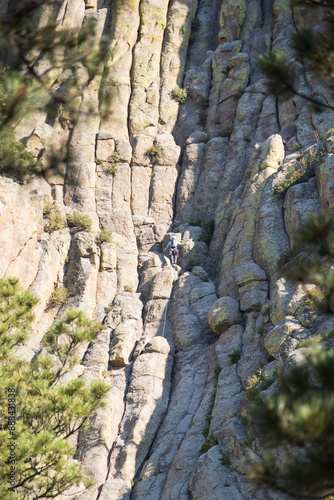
x=38 y=412
x=301 y=417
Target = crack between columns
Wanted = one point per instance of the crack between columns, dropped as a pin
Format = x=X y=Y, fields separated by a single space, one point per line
x=160 y=63
x=190 y=424
x=20 y=251
x=122 y=418
x=237 y=367
x=137 y=474
x=118 y=434
x=132 y=69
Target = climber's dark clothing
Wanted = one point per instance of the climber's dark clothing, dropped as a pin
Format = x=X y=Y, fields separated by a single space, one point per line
x=173 y=252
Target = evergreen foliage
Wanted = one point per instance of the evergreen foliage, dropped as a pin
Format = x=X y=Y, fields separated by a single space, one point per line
x=207 y=226
x=300 y=418
x=179 y=95
x=15 y=160
x=36 y=52
x=314 y=265
x=314 y=49
x=29 y=39
x=80 y=221
x=37 y=413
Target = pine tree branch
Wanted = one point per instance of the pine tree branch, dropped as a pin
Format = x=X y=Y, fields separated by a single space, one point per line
x=306 y=97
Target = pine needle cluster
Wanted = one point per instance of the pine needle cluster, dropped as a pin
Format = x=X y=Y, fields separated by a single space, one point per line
x=300 y=419
x=314 y=265
x=39 y=411
x=314 y=49
x=32 y=41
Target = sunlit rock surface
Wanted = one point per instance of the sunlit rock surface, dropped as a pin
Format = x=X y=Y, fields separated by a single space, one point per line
x=180 y=345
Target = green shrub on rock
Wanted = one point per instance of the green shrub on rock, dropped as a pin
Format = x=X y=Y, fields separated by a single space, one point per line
x=48 y=206
x=193 y=262
x=154 y=153
x=59 y=296
x=207 y=226
x=294 y=176
x=57 y=221
x=225 y=459
x=80 y=221
x=15 y=160
x=234 y=356
x=209 y=443
x=102 y=237
x=179 y=95
x=110 y=165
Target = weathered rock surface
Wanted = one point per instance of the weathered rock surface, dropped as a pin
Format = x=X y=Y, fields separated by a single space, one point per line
x=180 y=344
x=20 y=251
x=125 y=323
x=224 y=313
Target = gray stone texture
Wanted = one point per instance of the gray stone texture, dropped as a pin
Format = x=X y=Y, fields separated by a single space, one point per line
x=180 y=344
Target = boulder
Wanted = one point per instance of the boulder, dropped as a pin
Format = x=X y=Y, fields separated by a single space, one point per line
x=279 y=341
x=253 y=295
x=125 y=322
x=224 y=313
x=248 y=272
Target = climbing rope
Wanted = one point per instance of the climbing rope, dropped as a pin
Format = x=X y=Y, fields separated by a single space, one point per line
x=154 y=295
x=124 y=403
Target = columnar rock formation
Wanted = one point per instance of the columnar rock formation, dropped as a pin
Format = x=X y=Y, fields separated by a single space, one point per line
x=168 y=331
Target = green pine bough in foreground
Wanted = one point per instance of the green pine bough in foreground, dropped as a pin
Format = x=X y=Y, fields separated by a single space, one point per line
x=38 y=411
x=297 y=423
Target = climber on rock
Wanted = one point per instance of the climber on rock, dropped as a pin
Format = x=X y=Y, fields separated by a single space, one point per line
x=173 y=252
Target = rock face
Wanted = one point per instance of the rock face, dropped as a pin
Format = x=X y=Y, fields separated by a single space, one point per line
x=182 y=343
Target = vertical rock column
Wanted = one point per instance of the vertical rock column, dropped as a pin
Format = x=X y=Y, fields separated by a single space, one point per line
x=113 y=187
x=239 y=244
x=80 y=177
x=173 y=58
x=145 y=70
x=145 y=406
x=175 y=450
x=123 y=34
